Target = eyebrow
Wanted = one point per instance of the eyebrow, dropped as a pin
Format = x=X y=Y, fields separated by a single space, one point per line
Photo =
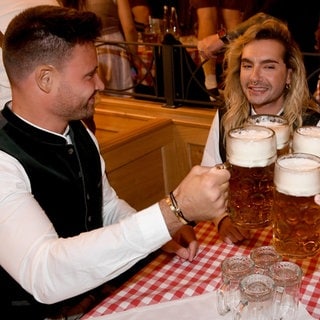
x=263 y=61
x=92 y=72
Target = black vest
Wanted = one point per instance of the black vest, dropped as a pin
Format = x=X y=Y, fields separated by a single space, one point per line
x=65 y=180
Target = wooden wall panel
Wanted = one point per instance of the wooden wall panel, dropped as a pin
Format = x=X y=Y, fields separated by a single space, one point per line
x=149 y=149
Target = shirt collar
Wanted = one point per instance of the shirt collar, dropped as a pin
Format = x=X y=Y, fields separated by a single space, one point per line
x=253 y=112
x=65 y=135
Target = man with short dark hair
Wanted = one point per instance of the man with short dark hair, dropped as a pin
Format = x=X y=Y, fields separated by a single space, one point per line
x=64 y=231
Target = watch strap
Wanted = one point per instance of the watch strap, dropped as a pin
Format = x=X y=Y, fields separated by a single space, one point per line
x=223 y=35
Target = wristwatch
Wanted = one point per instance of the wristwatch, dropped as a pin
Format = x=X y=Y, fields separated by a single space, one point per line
x=223 y=36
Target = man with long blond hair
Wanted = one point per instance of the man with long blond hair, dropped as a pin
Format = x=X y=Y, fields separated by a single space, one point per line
x=265 y=74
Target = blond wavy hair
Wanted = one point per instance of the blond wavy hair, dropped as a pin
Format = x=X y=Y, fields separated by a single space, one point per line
x=296 y=96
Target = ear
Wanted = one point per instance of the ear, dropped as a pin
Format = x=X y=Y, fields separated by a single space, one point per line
x=44 y=77
x=289 y=76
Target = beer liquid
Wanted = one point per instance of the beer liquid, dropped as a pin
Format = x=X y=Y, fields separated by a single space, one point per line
x=284 y=150
x=296 y=225
x=296 y=217
x=251 y=196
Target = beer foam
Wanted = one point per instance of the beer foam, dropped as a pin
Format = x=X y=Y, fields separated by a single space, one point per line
x=278 y=124
x=307 y=140
x=297 y=175
x=251 y=146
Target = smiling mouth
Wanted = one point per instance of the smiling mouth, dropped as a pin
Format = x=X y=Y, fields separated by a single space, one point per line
x=257 y=88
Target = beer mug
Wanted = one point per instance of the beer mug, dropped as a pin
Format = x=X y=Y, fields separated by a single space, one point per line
x=287 y=278
x=251 y=154
x=279 y=125
x=296 y=227
x=233 y=270
x=264 y=257
x=306 y=139
x=257 y=294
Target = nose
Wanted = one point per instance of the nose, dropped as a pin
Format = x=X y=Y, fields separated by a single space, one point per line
x=255 y=74
x=99 y=83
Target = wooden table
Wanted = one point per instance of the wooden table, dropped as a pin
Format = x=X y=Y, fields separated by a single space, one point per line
x=166 y=278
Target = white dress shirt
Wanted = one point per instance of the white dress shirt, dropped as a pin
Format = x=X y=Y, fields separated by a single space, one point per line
x=53 y=268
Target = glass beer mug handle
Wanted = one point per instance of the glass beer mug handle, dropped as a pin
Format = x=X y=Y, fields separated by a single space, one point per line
x=277 y=302
x=222 y=300
x=285 y=306
x=224 y=165
x=238 y=310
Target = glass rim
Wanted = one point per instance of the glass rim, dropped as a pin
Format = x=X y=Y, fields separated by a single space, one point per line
x=299 y=155
x=247 y=128
x=302 y=128
x=287 y=265
x=235 y=260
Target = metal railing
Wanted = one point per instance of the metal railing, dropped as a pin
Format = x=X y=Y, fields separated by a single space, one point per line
x=172 y=74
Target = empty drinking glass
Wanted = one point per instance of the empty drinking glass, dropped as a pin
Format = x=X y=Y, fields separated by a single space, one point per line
x=257 y=293
x=233 y=270
x=287 y=278
x=263 y=257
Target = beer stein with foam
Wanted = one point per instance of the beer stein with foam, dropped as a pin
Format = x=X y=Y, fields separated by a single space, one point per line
x=251 y=154
x=306 y=139
x=279 y=125
x=296 y=227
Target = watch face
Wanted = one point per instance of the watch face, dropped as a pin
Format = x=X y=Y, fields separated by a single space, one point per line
x=222 y=33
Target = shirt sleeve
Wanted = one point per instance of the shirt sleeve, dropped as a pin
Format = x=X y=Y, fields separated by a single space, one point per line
x=52 y=268
x=211 y=154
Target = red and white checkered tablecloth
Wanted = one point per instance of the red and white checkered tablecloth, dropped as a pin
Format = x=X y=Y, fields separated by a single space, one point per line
x=167 y=278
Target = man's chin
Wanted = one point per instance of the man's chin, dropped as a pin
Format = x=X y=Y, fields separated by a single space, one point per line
x=90 y=108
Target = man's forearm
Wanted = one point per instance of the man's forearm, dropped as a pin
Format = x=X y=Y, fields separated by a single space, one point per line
x=243 y=26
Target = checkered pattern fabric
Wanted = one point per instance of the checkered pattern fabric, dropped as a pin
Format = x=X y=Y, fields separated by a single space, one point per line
x=167 y=278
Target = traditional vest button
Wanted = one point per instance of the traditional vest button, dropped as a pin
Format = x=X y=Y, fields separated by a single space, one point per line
x=89 y=218
x=70 y=151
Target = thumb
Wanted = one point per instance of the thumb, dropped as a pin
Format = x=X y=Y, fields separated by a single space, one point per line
x=174 y=247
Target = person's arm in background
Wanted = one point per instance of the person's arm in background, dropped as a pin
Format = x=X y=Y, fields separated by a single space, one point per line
x=141 y=13
x=127 y=23
x=210 y=45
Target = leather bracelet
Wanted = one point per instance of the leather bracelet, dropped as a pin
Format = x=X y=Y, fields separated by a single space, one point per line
x=173 y=204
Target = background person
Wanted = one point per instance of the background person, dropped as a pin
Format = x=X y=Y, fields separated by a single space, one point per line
x=141 y=13
x=64 y=228
x=211 y=16
x=118 y=25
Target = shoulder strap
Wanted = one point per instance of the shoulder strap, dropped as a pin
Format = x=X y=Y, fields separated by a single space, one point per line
x=311 y=118
x=222 y=147
x=1 y=39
